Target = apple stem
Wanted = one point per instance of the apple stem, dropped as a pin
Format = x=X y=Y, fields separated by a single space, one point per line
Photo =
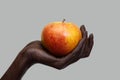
x=63 y=21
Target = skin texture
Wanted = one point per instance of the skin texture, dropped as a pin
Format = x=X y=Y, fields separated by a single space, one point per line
x=34 y=52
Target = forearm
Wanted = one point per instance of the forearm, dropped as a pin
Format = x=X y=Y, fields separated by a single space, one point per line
x=17 y=68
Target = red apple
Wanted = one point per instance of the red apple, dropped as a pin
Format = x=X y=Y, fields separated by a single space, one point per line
x=60 y=38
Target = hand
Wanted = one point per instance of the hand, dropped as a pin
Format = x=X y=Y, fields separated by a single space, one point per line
x=38 y=54
x=34 y=52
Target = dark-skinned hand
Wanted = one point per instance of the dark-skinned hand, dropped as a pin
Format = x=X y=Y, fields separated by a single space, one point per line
x=38 y=54
x=34 y=52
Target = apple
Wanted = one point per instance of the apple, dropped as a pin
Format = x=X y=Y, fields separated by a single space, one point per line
x=60 y=38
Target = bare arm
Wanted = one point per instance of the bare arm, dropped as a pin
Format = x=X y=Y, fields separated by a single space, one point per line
x=18 y=67
x=34 y=52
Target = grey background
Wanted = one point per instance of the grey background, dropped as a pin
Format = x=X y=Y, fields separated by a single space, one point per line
x=21 y=21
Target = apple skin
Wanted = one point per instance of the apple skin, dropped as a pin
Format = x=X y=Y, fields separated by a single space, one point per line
x=60 y=38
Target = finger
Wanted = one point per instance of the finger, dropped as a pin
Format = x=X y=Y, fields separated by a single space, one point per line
x=91 y=42
x=89 y=46
x=84 y=45
x=83 y=29
x=81 y=52
x=77 y=50
x=86 y=51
